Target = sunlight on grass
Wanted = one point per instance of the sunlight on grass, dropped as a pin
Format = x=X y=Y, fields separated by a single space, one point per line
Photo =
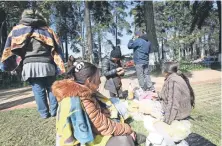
x=25 y=127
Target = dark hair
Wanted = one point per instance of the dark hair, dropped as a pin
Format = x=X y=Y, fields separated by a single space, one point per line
x=88 y=70
x=172 y=67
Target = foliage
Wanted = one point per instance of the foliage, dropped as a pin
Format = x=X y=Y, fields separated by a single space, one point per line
x=173 y=21
x=138 y=13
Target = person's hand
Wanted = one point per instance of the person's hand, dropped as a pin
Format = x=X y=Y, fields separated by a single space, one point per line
x=133 y=135
x=119 y=69
x=121 y=72
x=154 y=95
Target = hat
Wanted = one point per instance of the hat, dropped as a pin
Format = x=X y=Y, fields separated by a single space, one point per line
x=116 y=53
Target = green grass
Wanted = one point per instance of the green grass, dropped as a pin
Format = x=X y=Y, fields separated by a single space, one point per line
x=25 y=128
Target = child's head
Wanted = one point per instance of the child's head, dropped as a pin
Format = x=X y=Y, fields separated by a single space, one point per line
x=116 y=54
x=86 y=74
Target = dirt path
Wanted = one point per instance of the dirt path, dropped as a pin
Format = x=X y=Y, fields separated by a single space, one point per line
x=23 y=97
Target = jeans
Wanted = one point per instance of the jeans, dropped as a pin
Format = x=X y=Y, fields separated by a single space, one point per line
x=39 y=88
x=121 y=108
x=118 y=95
x=143 y=76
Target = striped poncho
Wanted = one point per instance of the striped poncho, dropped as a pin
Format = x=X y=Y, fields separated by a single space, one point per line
x=14 y=46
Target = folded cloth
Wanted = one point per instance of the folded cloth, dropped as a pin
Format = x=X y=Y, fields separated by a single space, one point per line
x=152 y=108
x=139 y=94
x=177 y=131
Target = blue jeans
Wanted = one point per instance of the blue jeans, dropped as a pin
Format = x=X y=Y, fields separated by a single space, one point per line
x=121 y=108
x=39 y=88
x=143 y=76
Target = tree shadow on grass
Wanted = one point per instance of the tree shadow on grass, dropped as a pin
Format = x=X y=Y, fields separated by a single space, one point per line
x=16 y=103
x=15 y=92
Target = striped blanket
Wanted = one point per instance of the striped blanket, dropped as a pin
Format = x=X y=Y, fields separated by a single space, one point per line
x=14 y=46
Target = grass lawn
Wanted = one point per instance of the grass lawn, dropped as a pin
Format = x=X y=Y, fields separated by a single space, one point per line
x=25 y=128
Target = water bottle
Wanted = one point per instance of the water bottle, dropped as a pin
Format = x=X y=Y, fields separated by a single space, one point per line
x=130 y=92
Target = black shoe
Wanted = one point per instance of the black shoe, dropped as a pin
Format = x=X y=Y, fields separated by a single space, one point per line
x=140 y=139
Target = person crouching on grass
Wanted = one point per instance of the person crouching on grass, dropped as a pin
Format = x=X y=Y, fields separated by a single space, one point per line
x=112 y=70
x=81 y=118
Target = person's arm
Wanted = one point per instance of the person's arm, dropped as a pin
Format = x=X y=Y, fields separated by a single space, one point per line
x=133 y=44
x=106 y=71
x=101 y=123
x=171 y=103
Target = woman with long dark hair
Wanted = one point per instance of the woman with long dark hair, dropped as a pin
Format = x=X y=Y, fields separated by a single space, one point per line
x=81 y=117
x=176 y=98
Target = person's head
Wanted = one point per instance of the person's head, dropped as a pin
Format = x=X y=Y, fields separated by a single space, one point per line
x=138 y=34
x=86 y=74
x=116 y=54
x=169 y=68
x=33 y=17
x=172 y=67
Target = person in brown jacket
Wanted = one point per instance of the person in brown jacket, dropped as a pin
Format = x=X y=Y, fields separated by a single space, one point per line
x=83 y=82
x=176 y=98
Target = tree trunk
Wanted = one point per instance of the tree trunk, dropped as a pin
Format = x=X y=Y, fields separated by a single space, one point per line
x=191 y=51
x=99 y=50
x=201 y=48
x=116 y=31
x=219 y=15
x=3 y=30
x=88 y=32
x=83 y=41
x=150 y=27
x=66 y=45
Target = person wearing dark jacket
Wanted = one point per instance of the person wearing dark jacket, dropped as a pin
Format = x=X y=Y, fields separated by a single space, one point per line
x=141 y=49
x=112 y=70
x=34 y=47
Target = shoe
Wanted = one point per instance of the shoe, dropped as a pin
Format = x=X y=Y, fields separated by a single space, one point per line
x=45 y=117
x=53 y=115
x=140 y=139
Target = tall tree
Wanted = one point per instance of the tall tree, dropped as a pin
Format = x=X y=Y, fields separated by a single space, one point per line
x=88 y=31
x=102 y=18
x=150 y=26
x=201 y=12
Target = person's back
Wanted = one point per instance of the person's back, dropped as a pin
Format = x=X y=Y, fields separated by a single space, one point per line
x=176 y=86
x=141 y=49
x=35 y=49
